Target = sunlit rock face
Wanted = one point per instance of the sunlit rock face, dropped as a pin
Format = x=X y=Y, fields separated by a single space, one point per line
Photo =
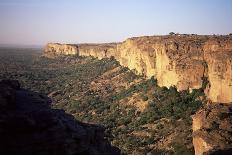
x=138 y=54
x=98 y=50
x=180 y=60
x=212 y=127
x=218 y=55
x=54 y=49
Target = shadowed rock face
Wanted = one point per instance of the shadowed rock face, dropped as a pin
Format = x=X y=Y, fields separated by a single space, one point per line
x=212 y=130
x=29 y=126
x=181 y=60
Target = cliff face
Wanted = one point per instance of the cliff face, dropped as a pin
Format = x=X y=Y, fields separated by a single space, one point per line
x=55 y=49
x=218 y=55
x=138 y=54
x=181 y=60
x=98 y=50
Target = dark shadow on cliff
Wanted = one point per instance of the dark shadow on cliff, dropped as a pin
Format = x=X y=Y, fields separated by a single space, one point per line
x=29 y=126
x=220 y=152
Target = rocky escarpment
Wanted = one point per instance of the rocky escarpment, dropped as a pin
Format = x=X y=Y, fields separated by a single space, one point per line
x=184 y=61
x=218 y=56
x=29 y=126
x=212 y=130
x=56 y=49
x=98 y=50
x=139 y=55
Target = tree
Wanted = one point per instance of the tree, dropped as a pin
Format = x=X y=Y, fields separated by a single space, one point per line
x=171 y=33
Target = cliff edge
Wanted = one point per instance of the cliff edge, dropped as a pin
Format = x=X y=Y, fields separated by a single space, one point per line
x=184 y=61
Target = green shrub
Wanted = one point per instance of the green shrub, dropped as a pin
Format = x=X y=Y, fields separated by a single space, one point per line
x=144 y=98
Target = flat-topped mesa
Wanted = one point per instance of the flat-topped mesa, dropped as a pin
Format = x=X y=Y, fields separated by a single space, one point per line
x=180 y=60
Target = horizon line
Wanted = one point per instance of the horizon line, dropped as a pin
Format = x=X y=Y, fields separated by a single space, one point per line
x=6 y=45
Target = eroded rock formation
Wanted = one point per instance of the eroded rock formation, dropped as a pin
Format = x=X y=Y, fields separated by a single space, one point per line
x=218 y=55
x=29 y=126
x=212 y=130
x=55 y=49
x=180 y=60
x=138 y=54
x=98 y=50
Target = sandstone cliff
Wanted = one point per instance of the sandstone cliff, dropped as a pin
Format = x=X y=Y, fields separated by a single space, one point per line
x=180 y=60
x=218 y=55
x=55 y=49
x=138 y=54
x=98 y=50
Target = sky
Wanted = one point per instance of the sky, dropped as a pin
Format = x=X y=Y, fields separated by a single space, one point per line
x=37 y=22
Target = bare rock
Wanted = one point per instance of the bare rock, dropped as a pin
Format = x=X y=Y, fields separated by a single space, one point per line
x=212 y=129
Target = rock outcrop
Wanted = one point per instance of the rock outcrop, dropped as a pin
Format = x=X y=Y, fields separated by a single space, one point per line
x=29 y=126
x=212 y=130
x=98 y=50
x=182 y=60
x=138 y=54
x=55 y=49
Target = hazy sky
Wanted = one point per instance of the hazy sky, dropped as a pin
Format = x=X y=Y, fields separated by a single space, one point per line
x=36 y=22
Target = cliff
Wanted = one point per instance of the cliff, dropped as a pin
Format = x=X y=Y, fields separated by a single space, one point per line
x=218 y=55
x=29 y=126
x=55 y=49
x=98 y=50
x=183 y=61
x=139 y=55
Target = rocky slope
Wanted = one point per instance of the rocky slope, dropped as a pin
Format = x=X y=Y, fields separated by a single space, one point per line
x=29 y=126
x=180 y=60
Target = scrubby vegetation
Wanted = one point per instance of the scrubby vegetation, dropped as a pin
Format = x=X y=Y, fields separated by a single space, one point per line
x=103 y=92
